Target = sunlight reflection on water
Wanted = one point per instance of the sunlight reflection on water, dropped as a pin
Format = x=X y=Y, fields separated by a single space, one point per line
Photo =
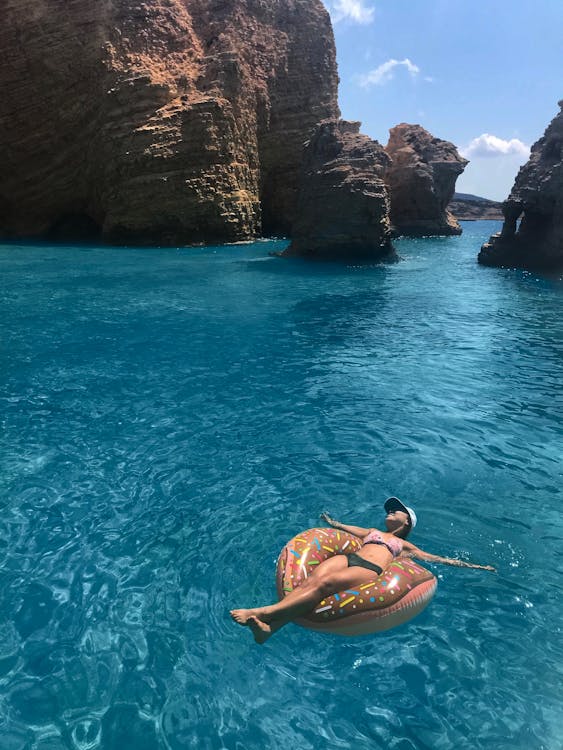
x=171 y=417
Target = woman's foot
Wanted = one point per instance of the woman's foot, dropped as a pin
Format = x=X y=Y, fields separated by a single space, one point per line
x=260 y=630
x=242 y=615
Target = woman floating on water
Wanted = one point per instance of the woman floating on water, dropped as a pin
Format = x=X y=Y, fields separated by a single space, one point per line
x=342 y=572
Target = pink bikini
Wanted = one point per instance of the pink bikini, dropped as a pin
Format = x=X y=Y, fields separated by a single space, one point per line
x=393 y=544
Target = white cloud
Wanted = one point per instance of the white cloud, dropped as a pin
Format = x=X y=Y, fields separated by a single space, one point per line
x=494 y=164
x=490 y=146
x=351 y=10
x=384 y=73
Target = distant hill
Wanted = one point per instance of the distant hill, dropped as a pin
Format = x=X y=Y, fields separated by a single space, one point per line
x=467 y=207
x=469 y=197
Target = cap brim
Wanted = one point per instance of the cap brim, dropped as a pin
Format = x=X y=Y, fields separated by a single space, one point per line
x=393 y=503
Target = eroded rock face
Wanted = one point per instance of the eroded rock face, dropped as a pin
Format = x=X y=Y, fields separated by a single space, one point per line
x=343 y=207
x=158 y=121
x=537 y=197
x=421 y=182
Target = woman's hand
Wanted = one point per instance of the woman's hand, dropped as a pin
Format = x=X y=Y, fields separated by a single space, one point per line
x=326 y=517
x=463 y=564
x=354 y=530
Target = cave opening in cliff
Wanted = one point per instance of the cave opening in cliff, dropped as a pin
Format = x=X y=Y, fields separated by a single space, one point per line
x=535 y=226
x=75 y=227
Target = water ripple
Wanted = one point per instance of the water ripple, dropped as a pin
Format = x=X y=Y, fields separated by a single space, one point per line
x=170 y=418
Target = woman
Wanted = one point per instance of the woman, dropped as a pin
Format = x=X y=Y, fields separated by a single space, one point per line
x=345 y=571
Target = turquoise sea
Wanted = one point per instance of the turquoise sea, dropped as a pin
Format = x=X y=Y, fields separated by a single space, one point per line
x=170 y=417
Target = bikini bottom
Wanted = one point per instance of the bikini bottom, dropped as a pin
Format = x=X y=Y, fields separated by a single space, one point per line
x=355 y=560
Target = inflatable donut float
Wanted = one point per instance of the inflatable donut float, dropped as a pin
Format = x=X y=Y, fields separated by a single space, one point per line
x=400 y=593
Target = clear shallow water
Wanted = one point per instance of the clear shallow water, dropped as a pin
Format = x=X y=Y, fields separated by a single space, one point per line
x=171 y=417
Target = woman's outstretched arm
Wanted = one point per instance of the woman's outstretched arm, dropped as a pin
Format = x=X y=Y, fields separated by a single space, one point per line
x=409 y=550
x=355 y=530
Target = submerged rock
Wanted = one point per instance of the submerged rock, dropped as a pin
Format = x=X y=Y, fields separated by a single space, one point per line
x=537 y=197
x=343 y=208
x=36 y=610
x=421 y=181
x=123 y=726
x=159 y=122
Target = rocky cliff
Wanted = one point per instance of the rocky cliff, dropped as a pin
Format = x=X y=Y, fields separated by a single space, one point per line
x=158 y=121
x=343 y=207
x=537 y=198
x=421 y=181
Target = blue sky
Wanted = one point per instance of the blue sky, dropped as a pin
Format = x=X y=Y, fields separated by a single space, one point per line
x=484 y=74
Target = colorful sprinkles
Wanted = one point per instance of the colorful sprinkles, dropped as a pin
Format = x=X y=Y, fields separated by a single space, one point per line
x=312 y=547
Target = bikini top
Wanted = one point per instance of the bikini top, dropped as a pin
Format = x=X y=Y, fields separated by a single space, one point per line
x=393 y=544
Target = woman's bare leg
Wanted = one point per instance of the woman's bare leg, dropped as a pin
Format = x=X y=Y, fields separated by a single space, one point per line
x=331 y=576
x=301 y=597
x=261 y=630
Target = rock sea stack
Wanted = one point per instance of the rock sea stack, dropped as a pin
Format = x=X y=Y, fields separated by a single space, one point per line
x=421 y=182
x=159 y=121
x=343 y=207
x=537 y=197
